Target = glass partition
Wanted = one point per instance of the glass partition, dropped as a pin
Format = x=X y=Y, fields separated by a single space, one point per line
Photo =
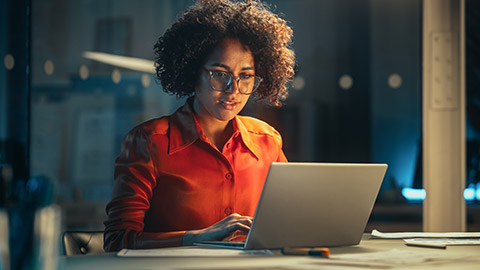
x=472 y=57
x=356 y=95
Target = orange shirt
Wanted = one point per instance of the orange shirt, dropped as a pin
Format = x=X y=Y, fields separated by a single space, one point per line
x=169 y=178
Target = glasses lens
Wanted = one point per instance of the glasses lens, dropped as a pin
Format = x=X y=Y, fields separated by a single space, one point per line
x=220 y=80
x=246 y=84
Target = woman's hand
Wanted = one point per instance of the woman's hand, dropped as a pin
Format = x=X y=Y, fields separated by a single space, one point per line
x=220 y=230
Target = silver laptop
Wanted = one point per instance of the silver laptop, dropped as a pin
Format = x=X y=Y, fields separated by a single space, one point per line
x=312 y=205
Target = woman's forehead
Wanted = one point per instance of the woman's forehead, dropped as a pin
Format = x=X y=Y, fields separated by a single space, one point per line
x=230 y=53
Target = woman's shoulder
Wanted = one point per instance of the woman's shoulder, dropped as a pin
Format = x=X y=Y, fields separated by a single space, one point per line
x=257 y=126
x=156 y=126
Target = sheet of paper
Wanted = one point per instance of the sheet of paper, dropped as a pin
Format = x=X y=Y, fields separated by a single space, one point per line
x=441 y=242
x=191 y=252
x=398 y=235
x=396 y=258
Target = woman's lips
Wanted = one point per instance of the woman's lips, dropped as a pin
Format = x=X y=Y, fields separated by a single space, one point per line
x=229 y=104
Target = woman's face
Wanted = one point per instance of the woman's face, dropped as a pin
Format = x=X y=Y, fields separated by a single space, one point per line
x=229 y=56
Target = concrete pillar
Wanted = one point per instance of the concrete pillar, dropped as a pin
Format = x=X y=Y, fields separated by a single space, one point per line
x=444 y=169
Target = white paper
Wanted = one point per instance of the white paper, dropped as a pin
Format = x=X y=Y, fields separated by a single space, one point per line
x=441 y=242
x=191 y=252
x=377 y=234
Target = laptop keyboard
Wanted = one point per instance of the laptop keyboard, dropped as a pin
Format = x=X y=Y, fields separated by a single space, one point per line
x=226 y=243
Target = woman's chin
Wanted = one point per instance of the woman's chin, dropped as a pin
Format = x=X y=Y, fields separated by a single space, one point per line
x=226 y=117
x=227 y=114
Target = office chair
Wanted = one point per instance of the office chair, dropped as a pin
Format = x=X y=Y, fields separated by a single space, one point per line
x=83 y=242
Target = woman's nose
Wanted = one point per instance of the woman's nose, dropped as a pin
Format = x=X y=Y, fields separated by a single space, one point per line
x=233 y=87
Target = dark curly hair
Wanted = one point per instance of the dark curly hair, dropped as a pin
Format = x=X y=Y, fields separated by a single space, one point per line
x=181 y=51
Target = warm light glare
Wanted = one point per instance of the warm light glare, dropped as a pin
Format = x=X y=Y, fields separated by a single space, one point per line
x=83 y=72
x=395 y=81
x=116 y=76
x=298 y=83
x=9 y=61
x=133 y=63
x=49 y=67
x=345 y=82
x=146 y=80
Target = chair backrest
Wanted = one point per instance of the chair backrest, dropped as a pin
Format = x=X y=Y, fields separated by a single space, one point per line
x=83 y=242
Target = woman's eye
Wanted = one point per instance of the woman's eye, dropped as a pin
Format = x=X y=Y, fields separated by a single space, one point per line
x=246 y=77
x=219 y=74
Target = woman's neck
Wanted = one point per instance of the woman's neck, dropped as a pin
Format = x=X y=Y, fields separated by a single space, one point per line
x=218 y=132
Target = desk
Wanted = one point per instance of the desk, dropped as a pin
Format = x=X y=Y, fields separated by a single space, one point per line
x=110 y=261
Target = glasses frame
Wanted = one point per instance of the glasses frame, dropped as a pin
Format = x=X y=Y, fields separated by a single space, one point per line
x=232 y=79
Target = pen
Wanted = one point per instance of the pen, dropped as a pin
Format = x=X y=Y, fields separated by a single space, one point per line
x=321 y=252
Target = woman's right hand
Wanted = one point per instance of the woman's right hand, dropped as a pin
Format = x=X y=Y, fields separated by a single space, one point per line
x=220 y=230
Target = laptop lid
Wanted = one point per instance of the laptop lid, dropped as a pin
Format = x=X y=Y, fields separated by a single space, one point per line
x=314 y=204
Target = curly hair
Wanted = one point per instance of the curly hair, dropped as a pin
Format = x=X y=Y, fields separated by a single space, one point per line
x=181 y=51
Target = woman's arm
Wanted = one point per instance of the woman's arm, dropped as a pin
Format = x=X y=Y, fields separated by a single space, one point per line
x=135 y=178
x=115 y=240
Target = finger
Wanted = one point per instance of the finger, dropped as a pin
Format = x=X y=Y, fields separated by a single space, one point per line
x=232 y=217
x=246 y=221
x=237 y=235
x=238 y=226
x=227 y=230
x=236 y=216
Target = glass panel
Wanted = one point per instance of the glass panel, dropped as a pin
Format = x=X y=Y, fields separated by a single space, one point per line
x=355 y=97
x=14 y=99
x=8 y=62
x=472 y=37
x=82 y=108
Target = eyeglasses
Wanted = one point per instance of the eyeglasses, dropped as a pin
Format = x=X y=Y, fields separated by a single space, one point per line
x=221 y=81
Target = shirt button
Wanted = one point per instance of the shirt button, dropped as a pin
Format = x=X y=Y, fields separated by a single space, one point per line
x=228 y=176
x=227 y=211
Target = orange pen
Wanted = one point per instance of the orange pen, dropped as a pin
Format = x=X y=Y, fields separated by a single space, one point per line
x=322 y=252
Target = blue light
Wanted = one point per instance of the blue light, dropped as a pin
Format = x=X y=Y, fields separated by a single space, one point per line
x=413 y=194
x=469 y=194
x=478 y=193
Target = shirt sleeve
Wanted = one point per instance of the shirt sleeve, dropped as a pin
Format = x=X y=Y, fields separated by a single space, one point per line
x=281 y=157
x=135 y=178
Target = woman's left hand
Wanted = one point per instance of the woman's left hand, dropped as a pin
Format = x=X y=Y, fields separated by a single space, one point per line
x=228 y=227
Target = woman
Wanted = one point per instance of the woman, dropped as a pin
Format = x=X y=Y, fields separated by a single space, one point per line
x=198 y=174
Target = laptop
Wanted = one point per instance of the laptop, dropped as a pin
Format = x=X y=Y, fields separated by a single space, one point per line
x=312 y=205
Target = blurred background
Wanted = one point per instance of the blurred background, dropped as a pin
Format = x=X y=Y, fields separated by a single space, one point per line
x=356 y=96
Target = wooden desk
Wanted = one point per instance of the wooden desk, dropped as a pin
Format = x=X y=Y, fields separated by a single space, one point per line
x=110 y=261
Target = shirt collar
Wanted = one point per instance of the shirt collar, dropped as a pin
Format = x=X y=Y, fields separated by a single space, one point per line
x=240 y=128
x=185 y=130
